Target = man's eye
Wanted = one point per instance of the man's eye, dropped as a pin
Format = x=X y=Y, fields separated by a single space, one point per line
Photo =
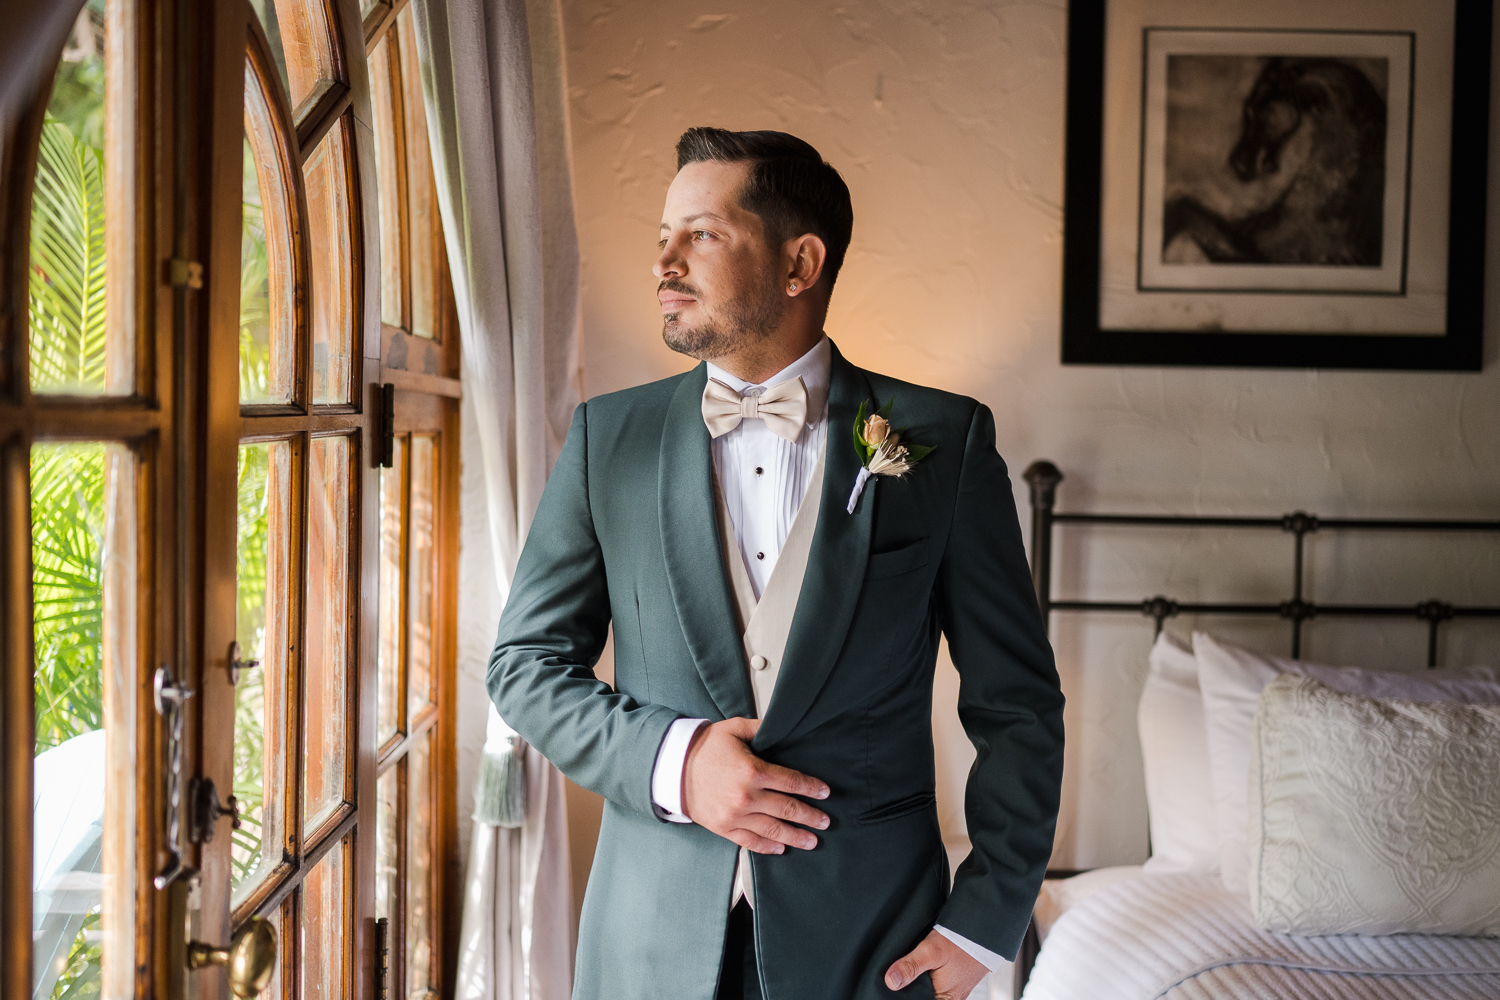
x=661 y=244
x=701 y=234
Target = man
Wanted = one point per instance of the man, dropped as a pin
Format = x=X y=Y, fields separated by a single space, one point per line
x=766 y=753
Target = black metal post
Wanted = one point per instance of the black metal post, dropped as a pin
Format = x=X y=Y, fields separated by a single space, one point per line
x=1042 y=477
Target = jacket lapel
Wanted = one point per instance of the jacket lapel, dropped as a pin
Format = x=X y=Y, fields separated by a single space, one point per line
x=835 y=567
x=690 y=543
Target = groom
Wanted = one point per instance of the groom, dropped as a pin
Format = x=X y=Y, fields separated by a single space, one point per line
x=766 y=755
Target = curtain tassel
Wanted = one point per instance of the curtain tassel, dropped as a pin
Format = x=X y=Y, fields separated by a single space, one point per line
x=500 y=790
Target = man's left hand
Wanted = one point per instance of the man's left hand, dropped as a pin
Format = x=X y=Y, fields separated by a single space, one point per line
x=955 y=972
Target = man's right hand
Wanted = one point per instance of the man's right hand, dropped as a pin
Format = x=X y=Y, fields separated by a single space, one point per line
x=734 y=793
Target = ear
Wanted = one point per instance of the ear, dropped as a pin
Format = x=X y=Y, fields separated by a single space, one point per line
x=803 y=258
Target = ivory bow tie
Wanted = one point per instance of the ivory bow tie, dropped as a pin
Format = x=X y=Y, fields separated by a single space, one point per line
x=783 y=407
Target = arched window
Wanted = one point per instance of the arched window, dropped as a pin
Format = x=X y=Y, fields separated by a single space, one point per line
x=228 y=432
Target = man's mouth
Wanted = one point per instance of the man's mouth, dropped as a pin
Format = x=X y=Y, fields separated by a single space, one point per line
x=672 y=302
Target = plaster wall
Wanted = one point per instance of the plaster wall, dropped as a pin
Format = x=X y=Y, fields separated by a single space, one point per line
x=946 y=119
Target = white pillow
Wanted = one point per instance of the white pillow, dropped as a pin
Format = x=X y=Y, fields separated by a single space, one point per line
x=1231 y=680
x=1373 y=816
x=1174 y=750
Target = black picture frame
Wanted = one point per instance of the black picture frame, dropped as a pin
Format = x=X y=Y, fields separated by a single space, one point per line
x=1460 y=348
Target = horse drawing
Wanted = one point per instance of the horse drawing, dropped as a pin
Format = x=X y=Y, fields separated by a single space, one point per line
x=1330 y=210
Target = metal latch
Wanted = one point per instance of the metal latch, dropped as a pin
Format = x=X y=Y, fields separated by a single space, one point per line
x=207 y=810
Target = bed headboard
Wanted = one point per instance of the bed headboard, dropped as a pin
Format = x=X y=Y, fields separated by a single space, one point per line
x=1043 y=477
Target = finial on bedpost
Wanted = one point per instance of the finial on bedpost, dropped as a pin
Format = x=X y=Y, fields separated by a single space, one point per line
x=1042 y=476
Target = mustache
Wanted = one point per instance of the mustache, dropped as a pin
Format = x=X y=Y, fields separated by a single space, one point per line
x=673 y=285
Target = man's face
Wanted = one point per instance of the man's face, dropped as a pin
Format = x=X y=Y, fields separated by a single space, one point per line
x=720 y=286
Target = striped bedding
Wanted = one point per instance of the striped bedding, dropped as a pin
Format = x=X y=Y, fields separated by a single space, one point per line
x=1183 y=937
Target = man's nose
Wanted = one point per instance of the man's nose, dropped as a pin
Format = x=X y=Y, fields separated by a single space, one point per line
x=669 y=263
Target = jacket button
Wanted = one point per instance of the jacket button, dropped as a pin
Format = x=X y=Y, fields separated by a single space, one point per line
x=759 y=662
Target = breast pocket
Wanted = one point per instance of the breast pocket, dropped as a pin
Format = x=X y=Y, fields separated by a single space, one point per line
x=897 y=561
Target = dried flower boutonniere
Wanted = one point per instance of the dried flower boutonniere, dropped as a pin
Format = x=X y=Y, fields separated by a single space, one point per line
x=881 y=450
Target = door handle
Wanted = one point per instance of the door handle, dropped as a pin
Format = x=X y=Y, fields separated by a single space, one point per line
x=169 y=694
x=250 y=958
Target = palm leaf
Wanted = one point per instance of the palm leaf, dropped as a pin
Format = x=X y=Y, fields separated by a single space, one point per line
x=67 y=282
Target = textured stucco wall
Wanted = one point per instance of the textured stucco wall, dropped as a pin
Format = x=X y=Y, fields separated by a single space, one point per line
x=946 y=118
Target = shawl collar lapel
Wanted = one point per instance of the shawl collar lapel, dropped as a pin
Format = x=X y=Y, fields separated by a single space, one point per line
x=690 y=543
x=835 y=567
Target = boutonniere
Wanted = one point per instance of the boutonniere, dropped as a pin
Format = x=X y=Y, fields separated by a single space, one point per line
x=881 y=450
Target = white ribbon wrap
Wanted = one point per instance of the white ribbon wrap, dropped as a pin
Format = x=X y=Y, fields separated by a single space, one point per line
x=859 y=487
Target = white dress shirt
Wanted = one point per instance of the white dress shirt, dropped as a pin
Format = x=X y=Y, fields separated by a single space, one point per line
x=763 y=478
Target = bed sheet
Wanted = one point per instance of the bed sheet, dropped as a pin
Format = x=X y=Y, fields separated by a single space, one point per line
x=1184 y=937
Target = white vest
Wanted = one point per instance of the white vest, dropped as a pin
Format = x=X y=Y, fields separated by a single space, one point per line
x=766 y=624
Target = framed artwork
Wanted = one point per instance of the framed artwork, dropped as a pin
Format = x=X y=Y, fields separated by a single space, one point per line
x=1278 y=184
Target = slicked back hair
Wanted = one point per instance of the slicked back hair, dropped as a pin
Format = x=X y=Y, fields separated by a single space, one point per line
x=791 y=187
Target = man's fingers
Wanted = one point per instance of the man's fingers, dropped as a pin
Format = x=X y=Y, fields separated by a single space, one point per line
x=922 y=958
x=789 y=810
x=741 y=727
x=774 y=829
x=784 y=779
x=752 y=841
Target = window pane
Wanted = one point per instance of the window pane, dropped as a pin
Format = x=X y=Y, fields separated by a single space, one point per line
x=297 y=31
x=73 y=349
x=84 y=581
x=386 y=97
x=426 y=229
x=365 y=6
x=388 y=666
x=422 y=603
x=332 y=267
x=386 y=845
x=266 y=11
x=326 y=648
x=324 y=928
x=260 y=627
x=421 y=969
x=267 y=285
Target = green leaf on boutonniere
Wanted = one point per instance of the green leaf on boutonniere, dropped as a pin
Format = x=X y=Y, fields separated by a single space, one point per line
x=920 y=451
x=861 y=446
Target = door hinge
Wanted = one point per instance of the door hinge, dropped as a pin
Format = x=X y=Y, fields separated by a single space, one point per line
x=184 y=273
x=385 y=445
x=382 y=958
x=206 y=810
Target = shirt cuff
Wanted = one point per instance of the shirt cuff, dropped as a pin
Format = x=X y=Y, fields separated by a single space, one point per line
x=666 y=774
x=977 y=952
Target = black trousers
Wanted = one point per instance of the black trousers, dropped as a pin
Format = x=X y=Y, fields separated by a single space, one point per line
x=738 y=978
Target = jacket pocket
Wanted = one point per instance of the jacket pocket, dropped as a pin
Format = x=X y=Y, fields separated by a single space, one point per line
x=899 y=808
x=897 y=561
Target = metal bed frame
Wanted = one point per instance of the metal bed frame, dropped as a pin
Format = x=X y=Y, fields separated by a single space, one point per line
x=1043 y=478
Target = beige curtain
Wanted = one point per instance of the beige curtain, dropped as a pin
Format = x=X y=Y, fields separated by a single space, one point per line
x=492 y=79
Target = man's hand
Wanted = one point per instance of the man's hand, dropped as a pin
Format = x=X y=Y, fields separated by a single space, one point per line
x=734 y=793
x=955 y=972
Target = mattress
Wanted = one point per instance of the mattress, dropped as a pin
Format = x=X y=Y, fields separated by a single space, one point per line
x=1184 y=937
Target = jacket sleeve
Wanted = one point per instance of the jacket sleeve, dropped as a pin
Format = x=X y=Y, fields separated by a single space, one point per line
x=541 y=673
x=1009 y=702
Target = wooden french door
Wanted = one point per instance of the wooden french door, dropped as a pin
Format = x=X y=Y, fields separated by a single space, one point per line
x=211 y=490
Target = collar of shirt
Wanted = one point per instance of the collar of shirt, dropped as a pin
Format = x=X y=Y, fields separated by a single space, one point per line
x=814 y=367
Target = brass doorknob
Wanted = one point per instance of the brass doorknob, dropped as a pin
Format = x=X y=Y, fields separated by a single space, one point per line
x=250 y=958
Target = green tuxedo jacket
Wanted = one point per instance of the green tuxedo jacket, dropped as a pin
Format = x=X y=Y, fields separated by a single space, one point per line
x=626 y=533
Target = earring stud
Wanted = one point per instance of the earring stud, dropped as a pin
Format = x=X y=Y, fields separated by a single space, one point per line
x=792 y=287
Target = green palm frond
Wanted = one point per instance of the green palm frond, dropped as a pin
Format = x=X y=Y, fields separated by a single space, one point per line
x=67 y=290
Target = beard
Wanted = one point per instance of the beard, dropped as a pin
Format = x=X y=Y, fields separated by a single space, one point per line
x=741 y=321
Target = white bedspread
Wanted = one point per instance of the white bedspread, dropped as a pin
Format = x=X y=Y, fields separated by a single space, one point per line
x=1183 y=937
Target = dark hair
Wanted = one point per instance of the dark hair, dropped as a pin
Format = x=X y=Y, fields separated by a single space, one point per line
x=791 y=187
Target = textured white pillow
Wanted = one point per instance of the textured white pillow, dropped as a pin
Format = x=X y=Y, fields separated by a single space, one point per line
x=1231 y=680
x=1174 y=751
x=1373 y=816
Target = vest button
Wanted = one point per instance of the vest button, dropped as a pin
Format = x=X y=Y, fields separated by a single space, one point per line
x=759 y=662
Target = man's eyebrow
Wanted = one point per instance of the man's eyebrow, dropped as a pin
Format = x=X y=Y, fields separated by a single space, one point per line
x=694 y=218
